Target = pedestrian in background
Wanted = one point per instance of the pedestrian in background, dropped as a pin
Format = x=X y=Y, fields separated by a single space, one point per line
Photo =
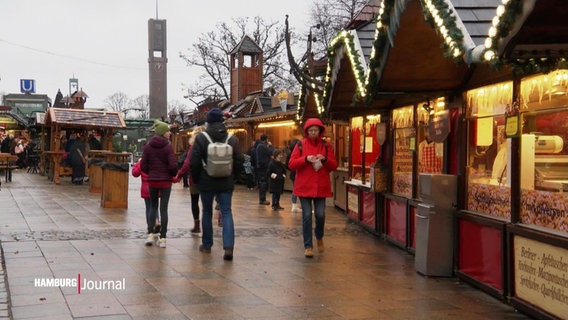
x=294 y=198
x=159 y=163
x=313 y=159
x=193 y=190
x=78 y=155
x=263 y=155
x=277 y=174
x=215 y=187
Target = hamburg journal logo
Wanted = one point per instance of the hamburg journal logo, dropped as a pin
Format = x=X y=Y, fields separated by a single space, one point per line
x=82 y=284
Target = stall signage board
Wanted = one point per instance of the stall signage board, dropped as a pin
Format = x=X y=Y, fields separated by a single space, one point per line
x=439 y=126
x=541 y=275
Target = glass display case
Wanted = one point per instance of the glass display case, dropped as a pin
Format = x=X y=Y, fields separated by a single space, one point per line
x=404 y=145
x=544 y=150
x=488 y=188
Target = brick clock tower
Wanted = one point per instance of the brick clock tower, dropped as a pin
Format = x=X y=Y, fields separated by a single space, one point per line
x=157 y=62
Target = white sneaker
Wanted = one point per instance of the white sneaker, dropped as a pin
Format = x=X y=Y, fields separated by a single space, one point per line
x=150 y=239
x=162 y=243
x=295 y=208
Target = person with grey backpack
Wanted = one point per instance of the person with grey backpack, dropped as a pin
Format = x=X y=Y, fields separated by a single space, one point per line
x=209 y=168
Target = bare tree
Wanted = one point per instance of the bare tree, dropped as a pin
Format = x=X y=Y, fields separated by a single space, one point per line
x=117 y=102
x=332 y=16
x=176 y=106
x=141 y=105
x=212 y=54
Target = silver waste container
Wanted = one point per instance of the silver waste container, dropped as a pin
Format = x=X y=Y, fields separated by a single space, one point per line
x=434 y=242
x=435 y=225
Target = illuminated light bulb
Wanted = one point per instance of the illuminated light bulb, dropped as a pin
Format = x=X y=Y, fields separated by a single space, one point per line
x=489 y=55
x=500 y=10
x=488 y=43
x=457 y=52
x=495 y=21
x=492 y=32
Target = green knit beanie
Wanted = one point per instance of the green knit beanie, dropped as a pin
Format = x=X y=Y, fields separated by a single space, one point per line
x=161 y=127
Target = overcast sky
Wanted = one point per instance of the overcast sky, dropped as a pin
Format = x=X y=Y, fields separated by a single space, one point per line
x=104 y=43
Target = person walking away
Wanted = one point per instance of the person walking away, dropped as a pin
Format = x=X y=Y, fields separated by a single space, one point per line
x=193 y=190
x=159 y=163
x=210 y=187
x=313 y=159
x=145 y=193
x=78 y=155
x=294 y=199
x=263 y=152
x=277 y=174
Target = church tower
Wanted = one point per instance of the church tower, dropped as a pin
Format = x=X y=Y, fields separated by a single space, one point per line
x=246 y=69
x=157 y=62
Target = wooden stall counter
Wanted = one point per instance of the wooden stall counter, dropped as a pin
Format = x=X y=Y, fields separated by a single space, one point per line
x=52 y=166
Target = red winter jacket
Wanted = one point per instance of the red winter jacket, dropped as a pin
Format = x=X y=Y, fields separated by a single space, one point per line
x=137 y=172
x=309 y=182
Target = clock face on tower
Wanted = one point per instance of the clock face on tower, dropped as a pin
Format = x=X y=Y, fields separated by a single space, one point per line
x=159 y=67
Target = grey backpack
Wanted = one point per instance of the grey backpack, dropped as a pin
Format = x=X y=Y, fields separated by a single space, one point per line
x=219 y=158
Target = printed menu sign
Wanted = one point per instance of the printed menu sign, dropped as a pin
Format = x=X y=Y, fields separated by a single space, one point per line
x=541 y=275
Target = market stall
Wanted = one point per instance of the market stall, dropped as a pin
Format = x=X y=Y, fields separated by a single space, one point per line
x=62 y=122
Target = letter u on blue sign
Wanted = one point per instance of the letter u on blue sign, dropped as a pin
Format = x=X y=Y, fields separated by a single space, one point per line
x=27 y=86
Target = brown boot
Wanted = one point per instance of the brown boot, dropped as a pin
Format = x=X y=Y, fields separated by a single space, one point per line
x=196 y=227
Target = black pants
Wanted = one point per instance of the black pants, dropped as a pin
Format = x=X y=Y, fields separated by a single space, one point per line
x=262 y=184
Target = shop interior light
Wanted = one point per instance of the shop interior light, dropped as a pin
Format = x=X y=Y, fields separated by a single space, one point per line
x=277 y=124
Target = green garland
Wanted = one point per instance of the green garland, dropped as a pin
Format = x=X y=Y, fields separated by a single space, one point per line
x=379 y=45
x=447 y=15
x=340 y=40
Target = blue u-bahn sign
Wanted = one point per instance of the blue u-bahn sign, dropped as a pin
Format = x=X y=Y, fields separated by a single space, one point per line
x=27 y=86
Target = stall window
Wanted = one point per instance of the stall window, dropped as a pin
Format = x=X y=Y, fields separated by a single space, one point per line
x=342 y=145
x=544 y=151
x=365 y=148
x=488 y=185
x=404 y=145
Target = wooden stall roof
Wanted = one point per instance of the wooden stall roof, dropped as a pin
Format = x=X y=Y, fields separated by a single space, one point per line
x=410 y=61
x=84 y=118
x=543 y=31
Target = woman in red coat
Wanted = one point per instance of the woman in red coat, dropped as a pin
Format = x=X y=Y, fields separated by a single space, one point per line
x=313 y=159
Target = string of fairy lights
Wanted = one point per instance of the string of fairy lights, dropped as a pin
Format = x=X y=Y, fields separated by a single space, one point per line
x=444 y=19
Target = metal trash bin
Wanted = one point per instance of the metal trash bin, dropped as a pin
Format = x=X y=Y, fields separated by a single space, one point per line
x=115 y=185
x=434 y=254
x=434 y=241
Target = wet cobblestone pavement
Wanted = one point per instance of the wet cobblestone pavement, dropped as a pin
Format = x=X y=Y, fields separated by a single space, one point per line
x=61 y=232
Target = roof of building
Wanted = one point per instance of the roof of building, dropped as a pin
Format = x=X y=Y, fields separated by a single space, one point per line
x=84 y=118
x=247 y=45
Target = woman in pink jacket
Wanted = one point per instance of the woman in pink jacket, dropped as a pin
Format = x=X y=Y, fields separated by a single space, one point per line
x=313 y=159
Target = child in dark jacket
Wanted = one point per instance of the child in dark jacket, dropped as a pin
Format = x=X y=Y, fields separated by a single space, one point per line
x=276 y=174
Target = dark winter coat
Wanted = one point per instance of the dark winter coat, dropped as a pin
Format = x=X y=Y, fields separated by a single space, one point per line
x=218 y=133
x=159 y=160
x=309 y=182
x=276 y=185
x=263 y=155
